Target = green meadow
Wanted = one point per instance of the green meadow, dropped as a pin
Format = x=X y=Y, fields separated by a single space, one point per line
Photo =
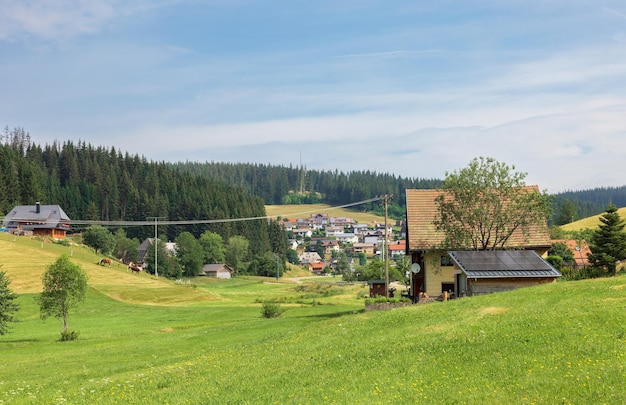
x=203 y=341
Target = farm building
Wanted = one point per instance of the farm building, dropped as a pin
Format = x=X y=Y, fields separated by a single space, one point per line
x=434 y=271
x=217 y=270
x=480 y=272
x=43 y=220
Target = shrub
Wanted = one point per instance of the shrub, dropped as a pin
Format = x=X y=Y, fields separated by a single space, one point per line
x=271 y=310
x=382 y=300
x=69 y=335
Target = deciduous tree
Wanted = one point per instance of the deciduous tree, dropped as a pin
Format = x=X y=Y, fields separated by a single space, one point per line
x=236 y=251
x=485 y=203
x=189 y=254
x=64 y=286
x=213 y=247
x=99 y=238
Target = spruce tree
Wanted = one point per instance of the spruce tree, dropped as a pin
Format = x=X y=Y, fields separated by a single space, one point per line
x=7 y=304
x=608 y=243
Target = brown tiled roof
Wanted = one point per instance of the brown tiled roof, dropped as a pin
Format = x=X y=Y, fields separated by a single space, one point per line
x=580 y=254
x=421 y=211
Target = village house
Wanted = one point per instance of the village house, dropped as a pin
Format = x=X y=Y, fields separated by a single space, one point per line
x=341 y=221
x=41 y=220
x=219 y=270
x=309 y=257
x=170 y=247
x=580 y=249
x=437 y=271
x=367 y=248
x=302 y=233
x=360 y=229
x=347 y=238
x=333 y=230
x=397 y=248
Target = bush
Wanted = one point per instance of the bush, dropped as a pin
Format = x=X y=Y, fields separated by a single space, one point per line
x=271 y=310
x=68 y=335
x=584 y=273
x=382 y=300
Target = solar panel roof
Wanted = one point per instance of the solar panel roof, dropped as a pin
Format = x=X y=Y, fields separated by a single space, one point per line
x=503 y=263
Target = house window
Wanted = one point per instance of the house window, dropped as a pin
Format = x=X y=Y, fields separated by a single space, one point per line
x=449 y=287
x=446 y=261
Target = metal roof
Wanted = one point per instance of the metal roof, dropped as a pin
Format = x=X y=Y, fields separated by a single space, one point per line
x=503 y=264
x=37 y=216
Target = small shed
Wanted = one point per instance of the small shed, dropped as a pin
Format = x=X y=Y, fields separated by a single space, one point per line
x=378 y=288
x=43 y=220
x=480 y=272
x=219 y=270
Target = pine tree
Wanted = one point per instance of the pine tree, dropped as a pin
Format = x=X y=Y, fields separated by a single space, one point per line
x=608 y=243
x=7 y=306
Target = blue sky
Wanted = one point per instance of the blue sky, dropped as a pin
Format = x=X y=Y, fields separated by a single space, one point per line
x=389 y=86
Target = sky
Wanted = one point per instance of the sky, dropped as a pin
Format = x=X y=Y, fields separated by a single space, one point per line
x=417 y=89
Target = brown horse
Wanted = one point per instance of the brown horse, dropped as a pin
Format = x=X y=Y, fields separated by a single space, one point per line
x=135 y=268
x=104 y=261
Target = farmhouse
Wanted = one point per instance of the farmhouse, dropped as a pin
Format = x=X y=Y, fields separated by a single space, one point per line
x=434 y=271
x=580 y=249
x=43 y=220
x=220 y=270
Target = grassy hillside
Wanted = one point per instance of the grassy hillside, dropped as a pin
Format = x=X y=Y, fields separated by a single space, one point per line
x=205 y=342
x=304 y=210
x=590 y=222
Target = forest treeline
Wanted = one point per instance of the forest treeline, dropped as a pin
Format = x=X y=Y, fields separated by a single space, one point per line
x=284 y=185
x=287 y=185
x=102 y=184
x=97 y=183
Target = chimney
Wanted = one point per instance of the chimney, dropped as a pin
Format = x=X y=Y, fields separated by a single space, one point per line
x=38 y=207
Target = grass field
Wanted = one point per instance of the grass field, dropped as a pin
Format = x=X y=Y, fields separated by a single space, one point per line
x=304 y=210
x=155 y=341
x=590 y=222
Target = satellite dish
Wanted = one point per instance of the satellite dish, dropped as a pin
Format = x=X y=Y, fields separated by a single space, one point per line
x=415 y=268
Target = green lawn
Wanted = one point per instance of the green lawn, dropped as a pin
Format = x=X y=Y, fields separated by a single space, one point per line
x=557 y=343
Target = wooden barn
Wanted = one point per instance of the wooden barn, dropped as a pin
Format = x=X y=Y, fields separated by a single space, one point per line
x=219 y=270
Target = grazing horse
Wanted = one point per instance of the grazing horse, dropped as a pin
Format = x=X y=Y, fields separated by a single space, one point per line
x=135 y=268
x=104 y=261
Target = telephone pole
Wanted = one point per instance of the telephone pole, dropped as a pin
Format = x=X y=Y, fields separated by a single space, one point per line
x=156 y=239
x=386 y=198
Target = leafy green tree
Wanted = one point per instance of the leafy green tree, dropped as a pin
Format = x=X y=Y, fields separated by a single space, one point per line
x=213 y=247
x=608 y=243
x=64 y=287
x=362 y=259
x=165 y=264
x=7 y=304
x=485 y=203
x=560 y=249
x=267 y=265
x=189 y=254
x=236 y=251
x=126 y=249
x=99 y=238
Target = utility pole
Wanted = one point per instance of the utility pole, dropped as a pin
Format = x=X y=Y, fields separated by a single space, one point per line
x=386 y=198
x=156 y=239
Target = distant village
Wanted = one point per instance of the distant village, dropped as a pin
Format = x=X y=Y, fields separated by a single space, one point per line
x=319 y=238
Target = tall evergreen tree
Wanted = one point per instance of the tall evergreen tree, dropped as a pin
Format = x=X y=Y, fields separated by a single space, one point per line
x=608 y=243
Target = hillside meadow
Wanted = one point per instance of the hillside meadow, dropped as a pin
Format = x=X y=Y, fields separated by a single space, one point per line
x=305 y=210
x=203 y=341
x=590 y=222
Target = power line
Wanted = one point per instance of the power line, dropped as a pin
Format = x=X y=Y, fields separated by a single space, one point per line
x=200 y=221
